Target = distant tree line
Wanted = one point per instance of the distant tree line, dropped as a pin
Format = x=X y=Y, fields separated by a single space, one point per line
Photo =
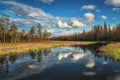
x=98 y=33
x=9 y=32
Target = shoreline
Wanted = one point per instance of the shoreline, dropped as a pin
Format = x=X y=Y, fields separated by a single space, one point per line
x=18 y=48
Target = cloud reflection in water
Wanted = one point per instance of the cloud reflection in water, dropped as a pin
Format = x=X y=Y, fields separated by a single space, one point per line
x=30 y=66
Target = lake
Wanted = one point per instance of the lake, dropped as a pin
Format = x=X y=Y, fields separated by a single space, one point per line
x=61 y=63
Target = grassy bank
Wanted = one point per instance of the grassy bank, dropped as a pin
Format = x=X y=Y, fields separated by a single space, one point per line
x=112 y=50
x=16 y=48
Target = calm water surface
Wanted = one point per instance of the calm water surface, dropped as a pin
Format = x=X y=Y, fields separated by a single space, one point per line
x=62 y=63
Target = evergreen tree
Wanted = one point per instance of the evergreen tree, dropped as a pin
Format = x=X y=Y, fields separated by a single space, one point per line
x=32 y=33
x=39 y=32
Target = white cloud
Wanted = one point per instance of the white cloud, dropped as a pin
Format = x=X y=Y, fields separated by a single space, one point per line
x=31 y=16
x=89 y=73
x=90 y=63
x=88 y=7
x=37 y=15
x=77 y=56
x=47 y=1
x=115 y=9
x=63 y=55
x=73 y=23
x=28 y=15
x=26 y=11
x=105 y=62
x=89 y=17
x=63 y=24
x=104 y=17
x=115 y=3
x=77 y=23
x=51 y=30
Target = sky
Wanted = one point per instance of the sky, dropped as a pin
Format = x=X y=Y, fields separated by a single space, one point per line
x=61 y=17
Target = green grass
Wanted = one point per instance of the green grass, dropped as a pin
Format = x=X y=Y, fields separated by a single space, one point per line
x=91 y=42
x=112 y=50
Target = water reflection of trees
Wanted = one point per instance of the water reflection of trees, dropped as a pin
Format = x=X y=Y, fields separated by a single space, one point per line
x=94 y=49
x=46 y=52
x=39 y=54
x=42 y=53
x=4 y=60
x=3 y=66
x=13 y=58
x=32 y=55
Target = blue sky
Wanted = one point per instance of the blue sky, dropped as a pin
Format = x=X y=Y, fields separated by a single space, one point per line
x=61 y=17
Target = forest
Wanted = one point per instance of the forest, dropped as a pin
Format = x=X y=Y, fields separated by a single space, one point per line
x=9 y=33
x=97 y=33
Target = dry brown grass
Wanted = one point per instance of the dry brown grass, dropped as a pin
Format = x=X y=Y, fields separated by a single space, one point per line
x=110 y=47
x=9 y=48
